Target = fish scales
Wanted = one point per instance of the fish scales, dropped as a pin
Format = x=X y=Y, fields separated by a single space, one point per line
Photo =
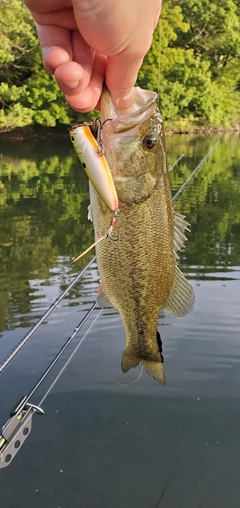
x=138 y=266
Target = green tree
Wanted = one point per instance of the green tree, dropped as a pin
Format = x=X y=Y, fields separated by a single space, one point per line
x=17 y=46
x=29 y=95
x=194 y=62
x=214 y=31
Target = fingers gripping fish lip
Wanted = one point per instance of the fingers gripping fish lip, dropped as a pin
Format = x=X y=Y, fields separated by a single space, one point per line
x=140 y=109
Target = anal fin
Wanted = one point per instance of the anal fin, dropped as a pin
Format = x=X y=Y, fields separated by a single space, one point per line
x=181 y=298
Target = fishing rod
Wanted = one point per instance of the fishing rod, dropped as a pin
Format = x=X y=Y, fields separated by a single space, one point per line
x=176 y=162
x=26 y=338
x=19 y=425
x=50 y=309
x=179 y=192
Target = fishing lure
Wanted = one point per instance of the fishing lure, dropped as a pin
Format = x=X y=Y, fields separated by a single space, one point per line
x=91 y=155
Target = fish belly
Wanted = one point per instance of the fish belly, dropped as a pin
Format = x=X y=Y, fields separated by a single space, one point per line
x=137 y=267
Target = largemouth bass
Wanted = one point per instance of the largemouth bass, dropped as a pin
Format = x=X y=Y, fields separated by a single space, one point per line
x=139 y=272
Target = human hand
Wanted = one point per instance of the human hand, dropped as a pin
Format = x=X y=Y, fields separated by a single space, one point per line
x=87 y=42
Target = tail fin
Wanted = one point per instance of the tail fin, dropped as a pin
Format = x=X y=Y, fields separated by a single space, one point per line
x=129 y=361
x=154 y=369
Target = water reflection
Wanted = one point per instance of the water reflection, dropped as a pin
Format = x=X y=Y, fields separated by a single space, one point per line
x=43 y=220
x=102 y=445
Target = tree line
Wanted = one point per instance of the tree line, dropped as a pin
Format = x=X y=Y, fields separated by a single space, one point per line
x=193 y=64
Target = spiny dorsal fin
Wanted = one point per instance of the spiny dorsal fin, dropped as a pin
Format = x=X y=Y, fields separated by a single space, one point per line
x=181 y=297
x=180 y=225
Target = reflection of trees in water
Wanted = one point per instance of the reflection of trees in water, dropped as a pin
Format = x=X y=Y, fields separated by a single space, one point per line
x=211 y=203
x=44 y=199
x=43 y=216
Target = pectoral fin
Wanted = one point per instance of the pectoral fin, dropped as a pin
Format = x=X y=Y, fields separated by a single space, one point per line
x=102 y=299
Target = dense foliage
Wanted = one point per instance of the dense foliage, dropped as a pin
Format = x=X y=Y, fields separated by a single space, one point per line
x=199 y=72
x=29 y=95
x=193 y=63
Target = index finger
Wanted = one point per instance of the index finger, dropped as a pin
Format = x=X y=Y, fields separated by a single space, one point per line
x=121 y=75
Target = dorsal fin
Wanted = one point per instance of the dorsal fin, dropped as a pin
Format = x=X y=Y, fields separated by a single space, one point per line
x=181 y=297
x=180 y=226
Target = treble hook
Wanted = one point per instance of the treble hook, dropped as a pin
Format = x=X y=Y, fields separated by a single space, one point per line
x=105 y=236
x=112 y=223
x=113 y=239
x=108 y=233
x=97 y=127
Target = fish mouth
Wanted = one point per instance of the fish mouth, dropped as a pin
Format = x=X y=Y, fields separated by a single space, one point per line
x=143 y=106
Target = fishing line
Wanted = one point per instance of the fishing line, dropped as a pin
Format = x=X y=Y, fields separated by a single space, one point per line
x=159 y=55
x=126 y=384
x=100 y=344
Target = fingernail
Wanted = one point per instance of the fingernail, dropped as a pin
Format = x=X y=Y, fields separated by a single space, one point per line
x=126 y=101
x=71 y=85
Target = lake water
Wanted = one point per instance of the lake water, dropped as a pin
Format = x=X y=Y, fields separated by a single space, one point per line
x=101 y=444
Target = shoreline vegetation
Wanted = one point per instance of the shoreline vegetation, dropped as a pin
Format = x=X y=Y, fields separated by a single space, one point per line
x=193 y=64
x=54 y=133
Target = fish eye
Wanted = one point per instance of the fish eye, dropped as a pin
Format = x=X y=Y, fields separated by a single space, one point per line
x=149 y=141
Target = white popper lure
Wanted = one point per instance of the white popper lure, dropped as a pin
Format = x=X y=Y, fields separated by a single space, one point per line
x=95 y=164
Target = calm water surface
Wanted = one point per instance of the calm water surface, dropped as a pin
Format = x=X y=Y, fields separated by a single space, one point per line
x=101 y=444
